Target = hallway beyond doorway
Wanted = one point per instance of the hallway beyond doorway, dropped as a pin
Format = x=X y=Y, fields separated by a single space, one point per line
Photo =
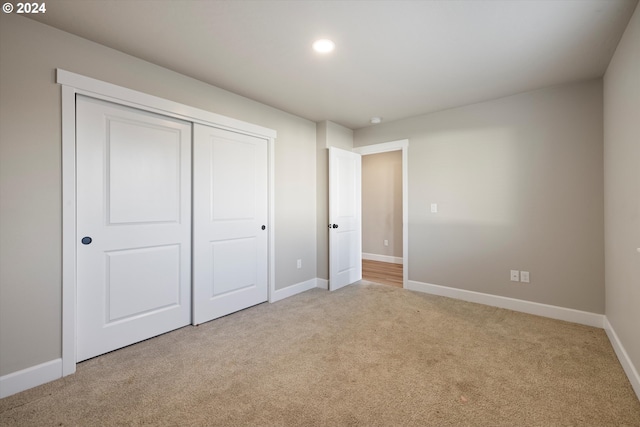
x=385 y=273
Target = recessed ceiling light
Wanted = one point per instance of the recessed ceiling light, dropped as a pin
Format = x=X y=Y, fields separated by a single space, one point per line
x=323 y=46
x=376 y=120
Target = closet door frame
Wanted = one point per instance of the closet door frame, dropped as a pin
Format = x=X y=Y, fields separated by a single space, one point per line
x=73 y=84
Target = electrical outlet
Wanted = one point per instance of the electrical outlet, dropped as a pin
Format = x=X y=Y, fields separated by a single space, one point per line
x=434 y=208
x=524 y=276
x=515 y=275
x=386 y=242
x=299 y=263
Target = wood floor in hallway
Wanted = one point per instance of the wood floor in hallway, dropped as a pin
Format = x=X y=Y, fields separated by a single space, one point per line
x=385 y=273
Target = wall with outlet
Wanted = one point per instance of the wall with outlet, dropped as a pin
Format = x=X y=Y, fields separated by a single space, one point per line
x=520 y=276
x=515 y=183
x=28 y=89
x=382 y=206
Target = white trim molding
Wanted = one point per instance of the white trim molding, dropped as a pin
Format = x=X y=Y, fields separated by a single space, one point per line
x=25 y=379
x=623 y=357
x=68 y=230
x=383 y=258
x=289 y=291
x=133 y=98
x=322 y=283
x=545 y=310
x=399 y=145
x=73 y=84
x=382 y=147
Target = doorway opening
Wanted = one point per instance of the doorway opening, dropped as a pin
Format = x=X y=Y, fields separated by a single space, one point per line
x=385 y=273
x=385 y=213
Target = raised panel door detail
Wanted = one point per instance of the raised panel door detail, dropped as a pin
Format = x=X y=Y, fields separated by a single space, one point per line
x=134 y=202
x=230 y=208
x=233 y=163
x=345 y=234
x=143 y=172
x=347 y=251
x=346 y=197
x=234 y=266
x=141 y=281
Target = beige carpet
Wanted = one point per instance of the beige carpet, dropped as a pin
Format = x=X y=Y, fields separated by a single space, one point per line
x=367 y=355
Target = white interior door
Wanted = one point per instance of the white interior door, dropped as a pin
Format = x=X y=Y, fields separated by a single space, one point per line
x=345 y=218
x=230 y=217
x=133 y=225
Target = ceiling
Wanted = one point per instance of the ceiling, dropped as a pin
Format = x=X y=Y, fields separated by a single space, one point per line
x=393 y=59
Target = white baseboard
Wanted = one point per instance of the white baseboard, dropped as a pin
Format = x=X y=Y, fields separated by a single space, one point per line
x=383 y=258
x=545 y=310
x=551 y=311
x=31 y=377
x=49 y=371
x=52 y=370
x=292 y=290
x=322 y=283
x=623 y=357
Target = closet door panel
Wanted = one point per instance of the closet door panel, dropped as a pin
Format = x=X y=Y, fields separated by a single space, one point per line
x=230 y=217
x=133 y=230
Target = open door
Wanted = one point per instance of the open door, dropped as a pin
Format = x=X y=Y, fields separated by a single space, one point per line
x=345 y=218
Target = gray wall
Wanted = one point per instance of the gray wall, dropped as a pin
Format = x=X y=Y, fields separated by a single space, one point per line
x=622 y=189
x=519 y=185
x=382 y=203
x=30 y=174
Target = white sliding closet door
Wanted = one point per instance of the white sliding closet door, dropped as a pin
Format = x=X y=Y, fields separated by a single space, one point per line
x=229 y=222
x=133 y=225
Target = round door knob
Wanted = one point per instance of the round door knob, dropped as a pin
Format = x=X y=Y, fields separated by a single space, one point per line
x=86 y=240
x=335 y=225
x=264 y=227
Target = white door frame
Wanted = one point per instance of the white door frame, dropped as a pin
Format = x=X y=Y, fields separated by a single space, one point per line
x=73 y=84
x=400 y=145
